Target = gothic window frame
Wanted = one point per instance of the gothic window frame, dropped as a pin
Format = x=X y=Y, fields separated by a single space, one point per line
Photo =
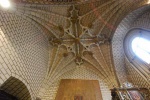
x=137 y=62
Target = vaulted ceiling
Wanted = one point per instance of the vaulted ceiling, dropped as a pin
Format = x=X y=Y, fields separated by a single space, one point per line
x=80 y=34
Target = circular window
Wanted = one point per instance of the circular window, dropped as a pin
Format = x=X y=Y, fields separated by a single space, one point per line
x=137 y=45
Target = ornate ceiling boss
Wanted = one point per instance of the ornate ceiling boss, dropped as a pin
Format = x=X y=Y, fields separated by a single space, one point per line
x=77 y=38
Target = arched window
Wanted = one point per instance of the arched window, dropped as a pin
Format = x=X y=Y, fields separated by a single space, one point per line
x=137 y=49
x=141 y=48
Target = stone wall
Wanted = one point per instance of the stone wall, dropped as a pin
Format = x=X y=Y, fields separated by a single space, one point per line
x=23 y=52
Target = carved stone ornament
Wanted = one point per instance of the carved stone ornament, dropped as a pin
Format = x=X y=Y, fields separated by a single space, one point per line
x=77 y=38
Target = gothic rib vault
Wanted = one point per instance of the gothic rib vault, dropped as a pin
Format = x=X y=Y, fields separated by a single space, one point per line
x=73 y=38
x=76 y=38
x=79 y=35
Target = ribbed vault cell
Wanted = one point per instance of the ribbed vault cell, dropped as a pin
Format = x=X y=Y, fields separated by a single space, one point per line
x=83 y=73
x=80 y=35
x=77 y=38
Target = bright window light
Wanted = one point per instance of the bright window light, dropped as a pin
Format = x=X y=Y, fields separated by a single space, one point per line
x=5 y=3
x=141 y=47
x=148 y=1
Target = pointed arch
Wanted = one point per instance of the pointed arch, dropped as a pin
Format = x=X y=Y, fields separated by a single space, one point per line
x=16 y=88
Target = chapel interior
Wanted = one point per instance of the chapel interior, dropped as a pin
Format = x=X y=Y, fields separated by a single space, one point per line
x=74 y=49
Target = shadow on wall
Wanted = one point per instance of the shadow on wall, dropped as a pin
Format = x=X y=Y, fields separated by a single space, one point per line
x=15 y=89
